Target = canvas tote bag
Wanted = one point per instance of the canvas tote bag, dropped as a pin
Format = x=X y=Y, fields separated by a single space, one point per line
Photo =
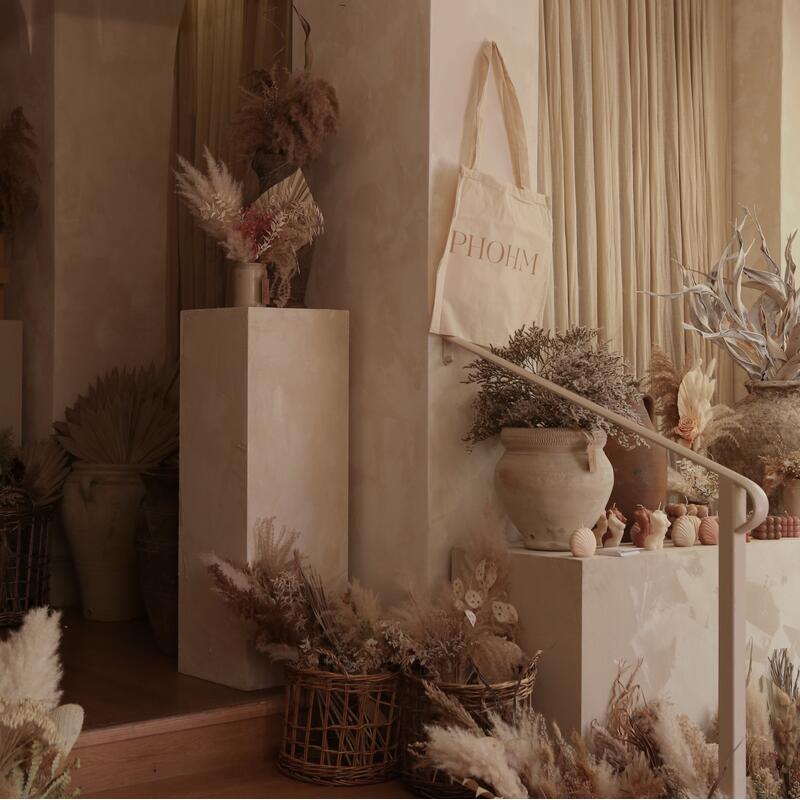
x=496 y=269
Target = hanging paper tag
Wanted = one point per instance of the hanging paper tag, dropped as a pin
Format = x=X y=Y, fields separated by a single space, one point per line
x=591 y=454
x=470 y=615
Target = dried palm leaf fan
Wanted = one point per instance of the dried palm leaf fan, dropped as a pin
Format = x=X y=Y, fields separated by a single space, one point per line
x=128 y=416
x=46 y=466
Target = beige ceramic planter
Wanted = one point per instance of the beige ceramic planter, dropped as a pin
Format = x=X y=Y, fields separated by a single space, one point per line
x=552 y=481
x=101 y=510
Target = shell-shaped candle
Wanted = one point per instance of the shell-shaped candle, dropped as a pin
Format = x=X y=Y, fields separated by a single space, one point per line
x=659 y=522
x=600 y=528
x=582 y=543
x=616 y=527
x=641 y=528
x=709 y=530
x=696 y=522
x=683 y=533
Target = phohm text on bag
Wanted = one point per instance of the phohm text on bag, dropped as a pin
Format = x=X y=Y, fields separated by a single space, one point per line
x=493 y=251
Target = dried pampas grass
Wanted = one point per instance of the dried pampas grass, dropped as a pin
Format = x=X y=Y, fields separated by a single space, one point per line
x=30 y=666
x=285 y=113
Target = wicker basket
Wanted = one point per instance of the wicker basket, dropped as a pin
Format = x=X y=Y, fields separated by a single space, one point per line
x=478 y=699
x=24 y=556
x=340 y=730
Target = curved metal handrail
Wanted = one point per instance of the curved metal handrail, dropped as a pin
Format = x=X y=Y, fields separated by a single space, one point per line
x=758 y=499
x=733 y=488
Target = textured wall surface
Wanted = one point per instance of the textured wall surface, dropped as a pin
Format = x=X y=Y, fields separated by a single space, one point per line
x=371 y=184
x=386 y=186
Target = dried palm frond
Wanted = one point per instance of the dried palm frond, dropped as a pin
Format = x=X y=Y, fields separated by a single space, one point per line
x=126 y=417
x=18 y=172
x=663 y=381
x=46 y=466
x=764 y=337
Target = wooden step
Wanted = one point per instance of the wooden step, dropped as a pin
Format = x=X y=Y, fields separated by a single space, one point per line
x=242 y=738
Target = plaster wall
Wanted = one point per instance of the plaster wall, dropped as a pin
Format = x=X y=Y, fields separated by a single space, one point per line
x=386 y=185
x=371 y=184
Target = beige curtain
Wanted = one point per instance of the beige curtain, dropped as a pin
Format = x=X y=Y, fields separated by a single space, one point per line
x=635 y=153
x=219 y=42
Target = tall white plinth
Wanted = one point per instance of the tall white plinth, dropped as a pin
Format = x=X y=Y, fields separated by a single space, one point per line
x=264 y=432
x=11 y=377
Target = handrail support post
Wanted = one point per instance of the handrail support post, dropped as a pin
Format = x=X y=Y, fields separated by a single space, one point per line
x=732 y=665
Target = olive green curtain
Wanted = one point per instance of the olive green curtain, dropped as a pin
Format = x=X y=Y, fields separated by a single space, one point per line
x=634 y=148
x=219 y=42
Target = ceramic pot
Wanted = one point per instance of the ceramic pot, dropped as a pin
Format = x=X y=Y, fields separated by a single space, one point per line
x=157 y=547
x=249 y=285
x=640 y=474
x=770 y=423
x=552 y=481
x=100 y=511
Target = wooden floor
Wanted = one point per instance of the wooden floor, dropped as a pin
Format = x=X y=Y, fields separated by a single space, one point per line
x=116 y=672
x=152 y=732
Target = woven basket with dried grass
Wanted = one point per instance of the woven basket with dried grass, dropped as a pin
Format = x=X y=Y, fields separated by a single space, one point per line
x=340 y=730
x=479 y=700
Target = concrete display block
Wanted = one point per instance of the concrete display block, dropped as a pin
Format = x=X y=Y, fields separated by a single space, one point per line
x=264 y=432
x=588 y=615
x=11 y=377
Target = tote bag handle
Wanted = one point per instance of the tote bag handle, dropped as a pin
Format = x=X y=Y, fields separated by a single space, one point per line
x=512 y=114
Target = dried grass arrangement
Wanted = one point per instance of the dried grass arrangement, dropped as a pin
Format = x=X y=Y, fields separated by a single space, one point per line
x=128 y=416
x=43 y=466
x=764 y=337
x=342 y=706
x=780 y=468
x=289 y=114
x=271 y=230
x=36 y=734
x=642 y=749
x=460 y=644
x=18 y=172
x=683 y=401
x=576 y=360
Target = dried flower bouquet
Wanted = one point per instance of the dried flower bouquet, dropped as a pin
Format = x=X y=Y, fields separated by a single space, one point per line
x=576 y=360
x=295 y=618
x=271 y=230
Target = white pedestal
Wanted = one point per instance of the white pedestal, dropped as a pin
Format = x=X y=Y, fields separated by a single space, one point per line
x=587 y=615
x=264 y=432
x=11 y=377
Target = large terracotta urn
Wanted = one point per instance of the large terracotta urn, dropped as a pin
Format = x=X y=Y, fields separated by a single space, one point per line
x=640 y=473
x=101 y=511
x=552 y=481
x=769 y=417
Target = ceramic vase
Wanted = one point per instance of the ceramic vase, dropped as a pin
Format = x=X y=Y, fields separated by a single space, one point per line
x=640 y=473
x=157 y=547
x=791 y=497
x=553 y=481
x=770 y=423
x=249 y=285
x=100 y=511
